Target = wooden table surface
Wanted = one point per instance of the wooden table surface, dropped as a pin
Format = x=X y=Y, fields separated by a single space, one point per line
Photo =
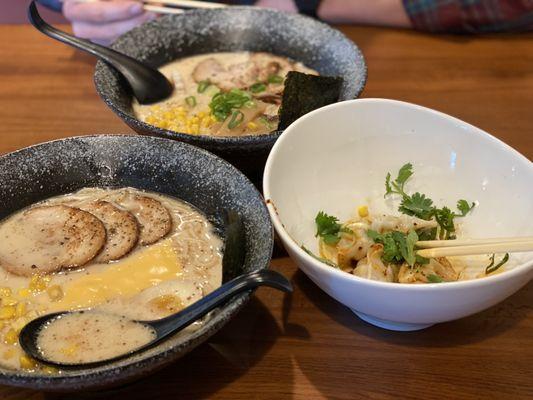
x=307 y=346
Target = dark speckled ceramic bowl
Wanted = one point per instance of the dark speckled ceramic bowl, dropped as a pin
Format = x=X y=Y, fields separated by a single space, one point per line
x=232 y=29
x=165 y=166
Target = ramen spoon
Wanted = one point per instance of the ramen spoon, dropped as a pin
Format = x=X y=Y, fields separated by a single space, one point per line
x=233 y=254
x=147 y=84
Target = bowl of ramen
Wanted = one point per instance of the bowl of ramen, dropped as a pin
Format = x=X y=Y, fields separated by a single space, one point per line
x=241 y=75
x=129 y=227
x=352 y=209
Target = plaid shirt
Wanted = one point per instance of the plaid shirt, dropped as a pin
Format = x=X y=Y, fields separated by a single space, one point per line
x=470 y=16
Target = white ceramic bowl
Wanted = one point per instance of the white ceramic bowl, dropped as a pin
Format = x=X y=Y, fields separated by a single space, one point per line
x=336 y=158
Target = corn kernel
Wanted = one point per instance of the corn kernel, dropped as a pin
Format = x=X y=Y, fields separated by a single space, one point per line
x=363 y=211
x=19 y=324
x=5 y=292
x=26 y=362
x=11 y=337
x=252 y=125
x=7 y=312
x=55 y=292
x=9 y=301
x=20 y=309
x=49 y=370
x=38 y=283
x=24 y=292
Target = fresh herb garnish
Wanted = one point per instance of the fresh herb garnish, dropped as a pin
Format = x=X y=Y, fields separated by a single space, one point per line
x=319 y=258
x=264 y=120
x=434 y=278
x=191 y=101
x=258 y=87
x=224 y=103
x=491 y=267
x=275 y=79
x=203 y=85
x=397 y=246
x=418 y=205
x=327 y=227
x=236 y=119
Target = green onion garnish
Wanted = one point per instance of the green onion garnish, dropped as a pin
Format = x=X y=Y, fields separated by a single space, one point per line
x=203 y=85
x=275 y=79
x=257 y=87
x=236 y=119
x=191 y=101
x=433 y=278
x=224 y=103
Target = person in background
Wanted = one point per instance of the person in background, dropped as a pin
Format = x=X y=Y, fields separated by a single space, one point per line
x=104 y=21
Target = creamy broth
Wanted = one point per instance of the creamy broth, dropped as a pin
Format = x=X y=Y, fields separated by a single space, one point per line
x=85 y=337
x=150 y=281
x=199 y=79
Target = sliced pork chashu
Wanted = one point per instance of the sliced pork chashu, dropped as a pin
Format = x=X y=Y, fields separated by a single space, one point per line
x=154 y=219
x=46 y=239
x=121 y=228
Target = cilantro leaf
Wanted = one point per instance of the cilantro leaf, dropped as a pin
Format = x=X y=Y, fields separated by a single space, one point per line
x=417 y=205
x=388 y=187
x=405 y=172
x=397 y=246
x=434 y=278
x=444 y=217
x=464 y=207
x=491 y=267
x=327 y=227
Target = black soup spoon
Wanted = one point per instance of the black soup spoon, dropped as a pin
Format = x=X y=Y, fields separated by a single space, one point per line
x=163 y=327
x=147 y=84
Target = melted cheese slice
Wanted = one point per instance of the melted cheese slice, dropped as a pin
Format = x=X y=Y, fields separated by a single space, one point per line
x=145 y=268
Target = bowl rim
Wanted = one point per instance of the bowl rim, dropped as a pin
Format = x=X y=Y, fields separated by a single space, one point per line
x=88 y=378
x=264 y=139
x=323 y=268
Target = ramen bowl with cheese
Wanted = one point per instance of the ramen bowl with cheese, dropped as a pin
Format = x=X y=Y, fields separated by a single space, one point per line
x=128 y=227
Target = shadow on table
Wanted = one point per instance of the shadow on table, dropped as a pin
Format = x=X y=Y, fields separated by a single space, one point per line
x=472 y=329
x=223 y=359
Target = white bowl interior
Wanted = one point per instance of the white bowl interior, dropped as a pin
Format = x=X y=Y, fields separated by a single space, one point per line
x=336 y=159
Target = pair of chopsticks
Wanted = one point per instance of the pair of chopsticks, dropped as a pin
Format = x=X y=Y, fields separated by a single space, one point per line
x=466 y=247
x=169 y=6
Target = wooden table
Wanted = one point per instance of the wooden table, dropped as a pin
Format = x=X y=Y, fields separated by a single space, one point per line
x=308 y=346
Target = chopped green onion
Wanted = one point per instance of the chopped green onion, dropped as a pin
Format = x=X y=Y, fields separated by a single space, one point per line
x=258 y=87
x=434 y=278
x=491 y=267
x=265 y=122
x=224 y=103
x=275 y=79
x=203 y=85
x=236 y=119
x=191 y=101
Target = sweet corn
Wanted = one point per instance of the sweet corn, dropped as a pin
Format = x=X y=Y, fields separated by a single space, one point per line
x=55 y=292
x=252 y=125
x=5 y=292
x=26 y=362
x=38 y=283
x=19 y=324
x=7 y=312
x=11 y=337
x=24 y=292
x=20 y=309
x=9 y=301
x=363 y=211
x=49 y=370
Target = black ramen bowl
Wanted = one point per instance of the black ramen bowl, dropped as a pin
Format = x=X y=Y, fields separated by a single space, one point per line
x=168 y=38
x=164 y=166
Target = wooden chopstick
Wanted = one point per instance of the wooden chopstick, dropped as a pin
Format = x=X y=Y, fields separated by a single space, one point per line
x=476 y=249
x=186 y=3
x=163 y=10
x=429 y=244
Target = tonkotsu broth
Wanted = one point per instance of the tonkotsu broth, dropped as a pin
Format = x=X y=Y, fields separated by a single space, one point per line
x=150 y=282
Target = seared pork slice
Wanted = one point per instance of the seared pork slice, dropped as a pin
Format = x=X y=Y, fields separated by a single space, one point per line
x=121 y=228
x=46 y=239
x=154 y=219
x=210 y=70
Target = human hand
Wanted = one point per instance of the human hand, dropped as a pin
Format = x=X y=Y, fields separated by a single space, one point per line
x=103 y=21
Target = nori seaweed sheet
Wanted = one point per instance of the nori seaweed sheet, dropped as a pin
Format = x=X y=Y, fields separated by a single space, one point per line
x=304 y=93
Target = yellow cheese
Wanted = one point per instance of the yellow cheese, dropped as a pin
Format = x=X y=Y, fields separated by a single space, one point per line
x=147 y=267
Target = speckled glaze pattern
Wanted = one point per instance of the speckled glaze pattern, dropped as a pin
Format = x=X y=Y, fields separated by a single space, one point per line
x=301 y=38
x=155 y=164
